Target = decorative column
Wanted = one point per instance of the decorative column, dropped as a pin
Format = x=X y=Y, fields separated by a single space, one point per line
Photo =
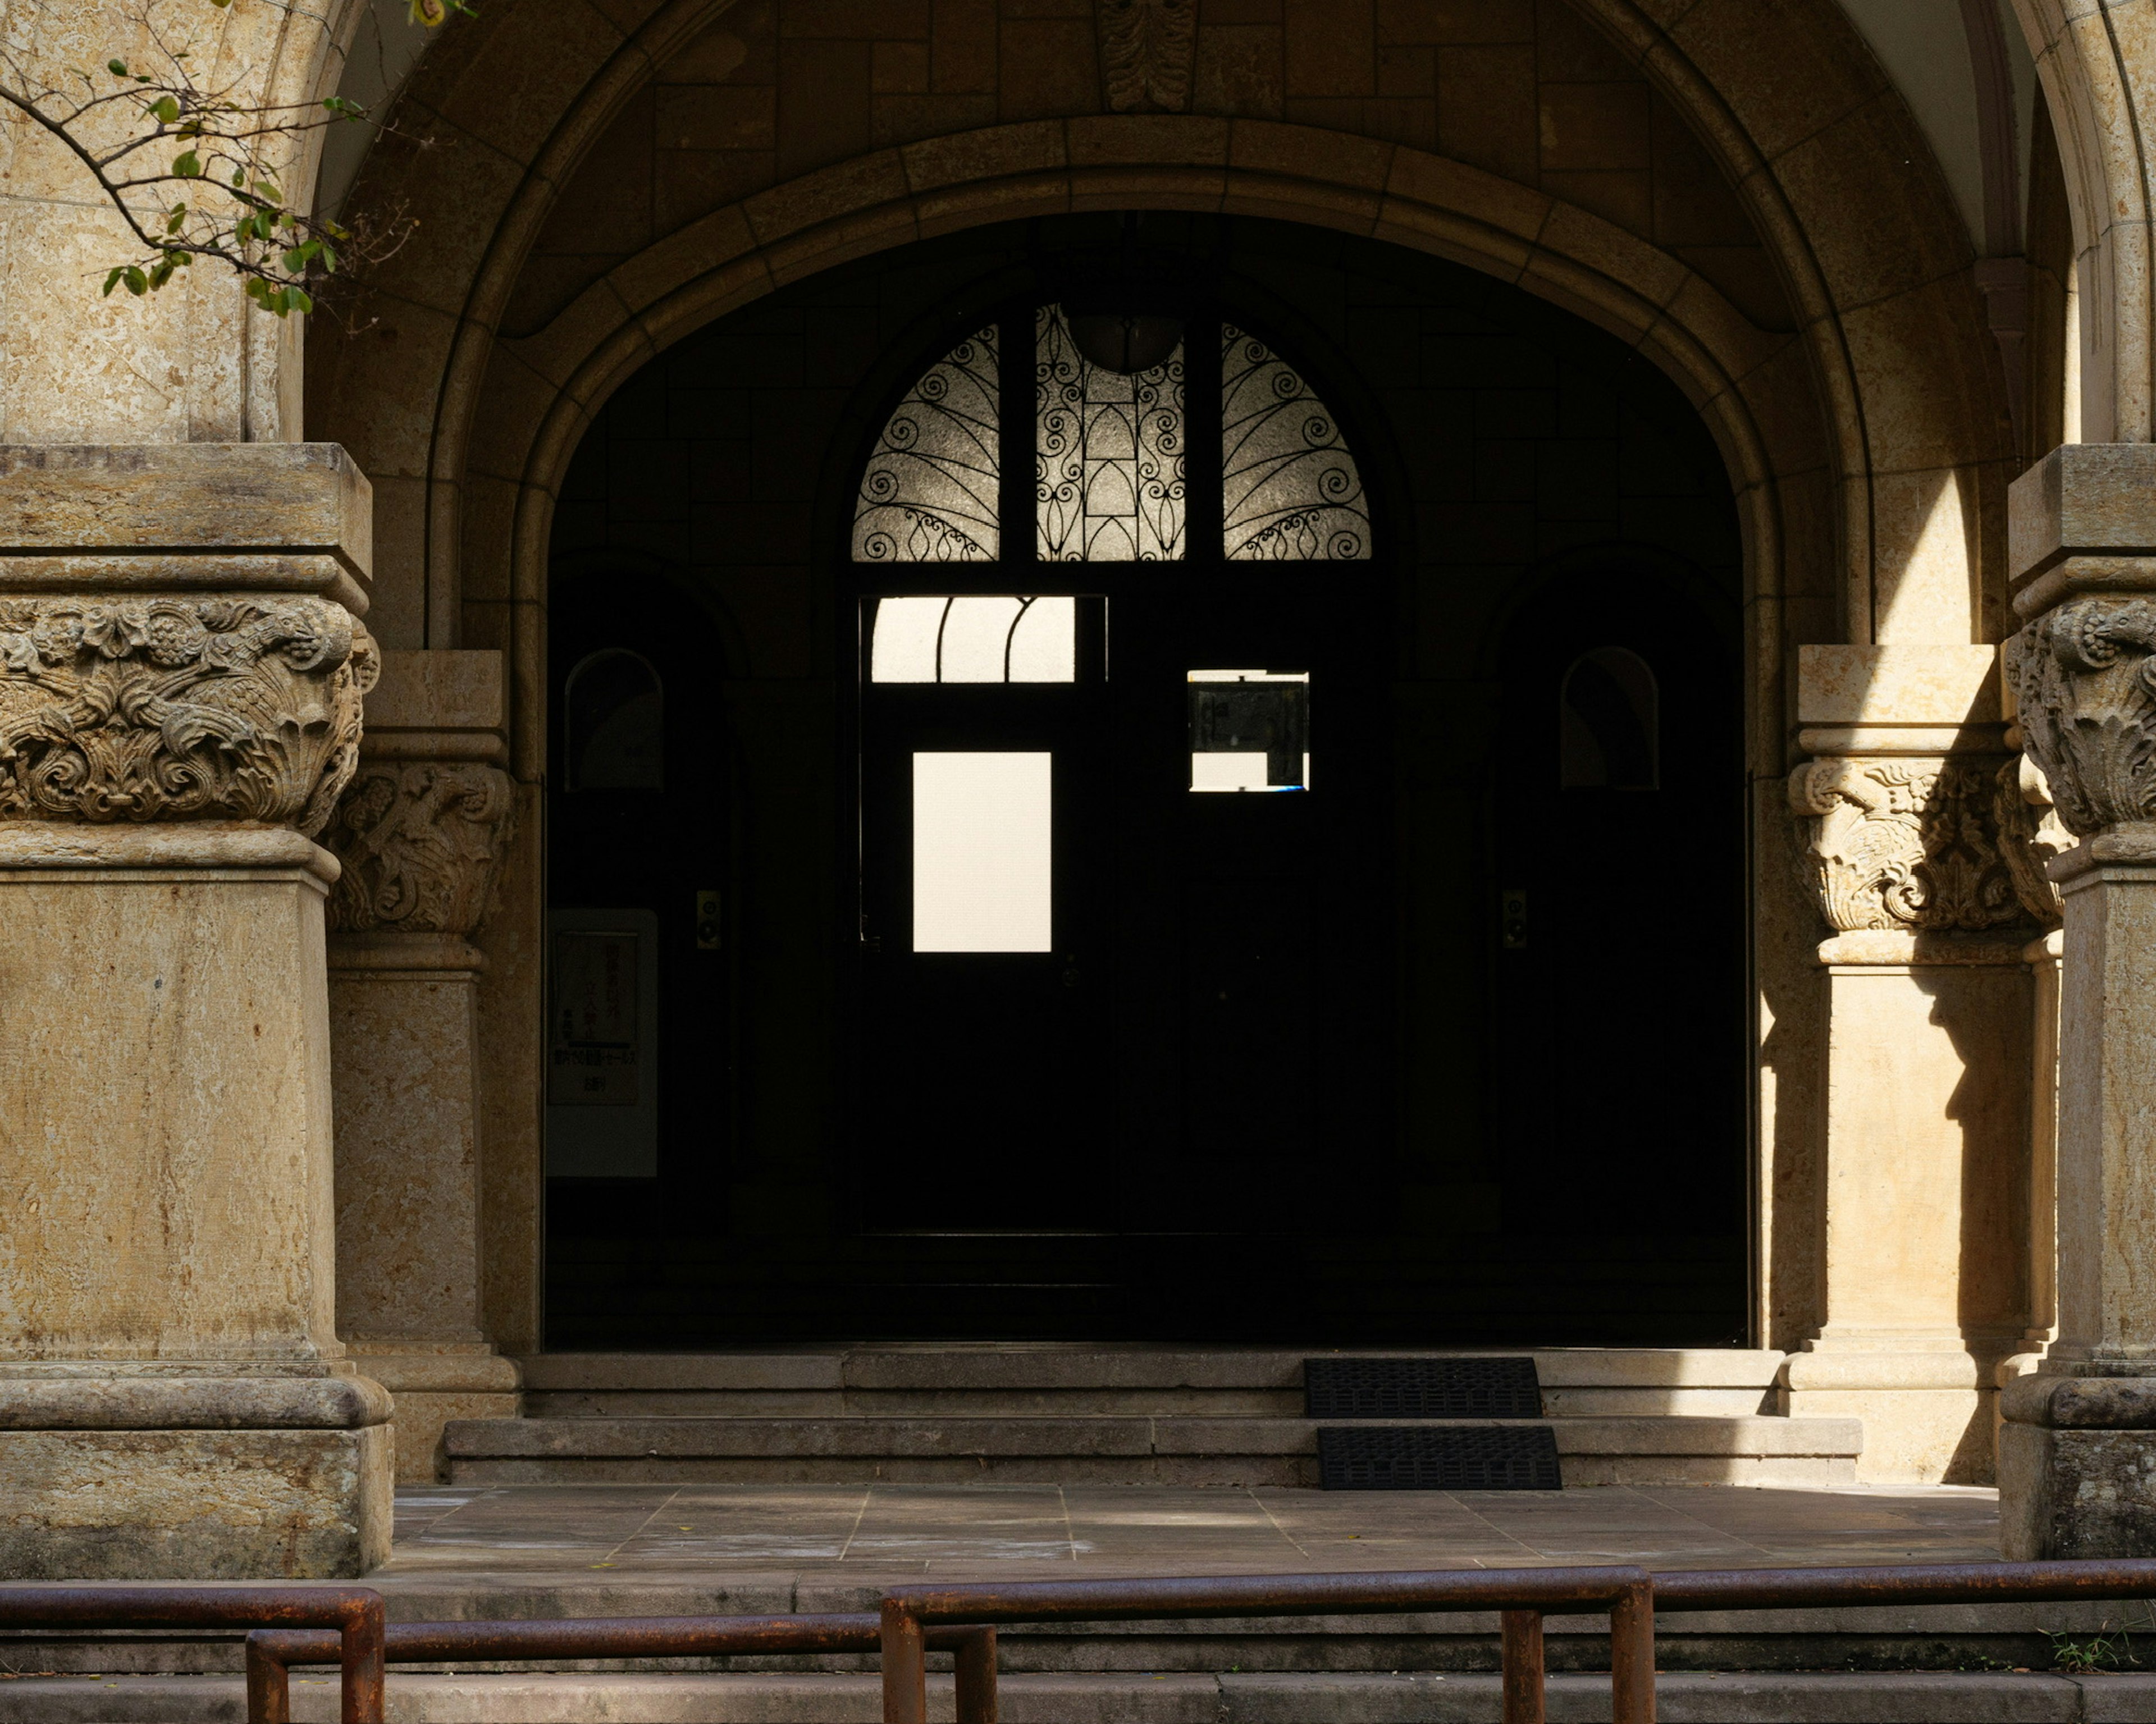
x=2077 y=1452
x=1926 y=1002
x=2030 y=835
x=181 y=677
x=421 y=834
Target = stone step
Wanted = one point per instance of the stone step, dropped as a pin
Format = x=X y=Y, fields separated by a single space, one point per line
x=1035 y=1381
x=1904 y=1697
x=1692 y=1451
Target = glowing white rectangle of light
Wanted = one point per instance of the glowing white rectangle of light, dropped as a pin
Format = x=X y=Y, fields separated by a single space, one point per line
x=976 y=637
x=982 y=831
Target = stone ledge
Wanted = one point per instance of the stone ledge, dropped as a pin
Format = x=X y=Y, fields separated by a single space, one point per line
x=2118 y=1404
x=166 y=497
x=2082 y=497
x=1416 y=1697
x=161 y=844
x=117 y=1404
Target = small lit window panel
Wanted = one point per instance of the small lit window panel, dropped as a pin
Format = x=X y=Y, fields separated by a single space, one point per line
x=1249 y=730
x=976 y=637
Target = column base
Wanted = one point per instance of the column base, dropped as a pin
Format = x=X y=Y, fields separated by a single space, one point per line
x=1927 y=1417
x=432 y=1387
x=2076 y=1467
x=193 y=1477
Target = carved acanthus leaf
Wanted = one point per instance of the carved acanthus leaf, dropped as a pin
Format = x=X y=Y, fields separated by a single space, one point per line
x=1906 y=846
x=229 y=706
x=1147 y=48
x=2085 y=685
x=2030 y=835
x=421 y=842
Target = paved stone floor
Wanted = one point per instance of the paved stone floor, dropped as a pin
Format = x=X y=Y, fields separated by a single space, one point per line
x=668 y=1533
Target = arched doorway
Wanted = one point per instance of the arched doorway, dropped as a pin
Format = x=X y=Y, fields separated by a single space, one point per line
x=1105 y=1116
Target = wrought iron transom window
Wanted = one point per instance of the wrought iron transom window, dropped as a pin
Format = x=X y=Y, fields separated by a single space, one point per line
x=1118 y=460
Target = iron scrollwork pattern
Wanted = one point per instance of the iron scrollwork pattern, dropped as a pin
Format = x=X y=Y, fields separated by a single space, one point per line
x=1293 y=493
x=230 y=707
x=929 y=492
x=2086 y=685
x=1907 y=846
x=1108 y=453
x=421 y=843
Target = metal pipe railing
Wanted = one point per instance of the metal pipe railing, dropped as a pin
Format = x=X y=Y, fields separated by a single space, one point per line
x=1521 y=1597
x=272 y=1652
x=354 y=1614
x=1908 y=1583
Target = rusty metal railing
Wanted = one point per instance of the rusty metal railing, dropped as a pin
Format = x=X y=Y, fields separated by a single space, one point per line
x=272 y=1652
x=1521 y=1597
x=1914 y=1583
x=353 y=1614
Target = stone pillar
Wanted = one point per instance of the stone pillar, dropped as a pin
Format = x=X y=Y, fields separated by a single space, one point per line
x=1926 y=999
x=2077 y=1452
x=421 y=834
x=2030 y=836
x=181 y=677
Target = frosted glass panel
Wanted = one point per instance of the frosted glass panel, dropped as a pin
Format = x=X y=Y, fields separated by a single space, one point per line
x=982 y=825
x=1290 y=490
x=984 y=637
x=1108 y=453
x=929 y=494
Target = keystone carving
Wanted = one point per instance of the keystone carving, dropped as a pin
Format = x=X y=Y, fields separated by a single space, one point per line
x=2030 y=835
x=1146 y=47
x=230 y=706
x=1907 y=846
x=2086 y=688
x=421 y=843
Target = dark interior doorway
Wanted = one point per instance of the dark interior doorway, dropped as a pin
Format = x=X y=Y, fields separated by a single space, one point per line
x=1335 y=1006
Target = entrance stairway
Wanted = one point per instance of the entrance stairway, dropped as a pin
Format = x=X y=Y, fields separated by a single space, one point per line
x=945 y=1413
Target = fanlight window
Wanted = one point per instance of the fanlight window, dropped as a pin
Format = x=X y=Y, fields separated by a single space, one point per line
x=1112 y=458
x=1610 y=723
x=929 y=494
x=615 y=715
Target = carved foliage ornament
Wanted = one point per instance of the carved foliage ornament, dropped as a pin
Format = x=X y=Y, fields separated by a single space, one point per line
x=1906 y=846
x=2086 y=688
x=421 y=843
x=1147 y=47
x=2030 y=835
x=239 y=707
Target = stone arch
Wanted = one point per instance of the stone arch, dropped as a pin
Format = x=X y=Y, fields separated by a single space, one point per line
x=1869 y=447
x=1872 y=295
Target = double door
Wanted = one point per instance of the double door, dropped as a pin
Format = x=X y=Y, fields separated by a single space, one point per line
x=1125 y=960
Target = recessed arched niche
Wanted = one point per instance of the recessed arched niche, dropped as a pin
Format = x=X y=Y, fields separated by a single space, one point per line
x=615 y=723
x=1610 y=723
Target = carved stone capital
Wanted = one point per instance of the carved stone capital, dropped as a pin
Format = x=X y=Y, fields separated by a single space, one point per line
x=421 y=843
x=1147 y=50
x=2030 y=835
x=2086 y=685
x=1906 y=844
x=180 y=706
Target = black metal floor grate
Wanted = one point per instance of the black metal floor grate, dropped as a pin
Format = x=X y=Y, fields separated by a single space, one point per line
x=1421 y=1389
x=1421 y=1458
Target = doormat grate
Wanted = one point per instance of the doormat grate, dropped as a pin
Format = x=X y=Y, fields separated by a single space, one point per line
x=1421 y=1389
x=1418 y=1458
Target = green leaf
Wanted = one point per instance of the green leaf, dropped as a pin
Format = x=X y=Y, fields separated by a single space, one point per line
x=240 y=176
x=297 y=298
x=112 y=281
x=138 y=284
x=177 y=219
x=117 y=68
x=188 y=165
x=160 y=273
x=166 y=110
